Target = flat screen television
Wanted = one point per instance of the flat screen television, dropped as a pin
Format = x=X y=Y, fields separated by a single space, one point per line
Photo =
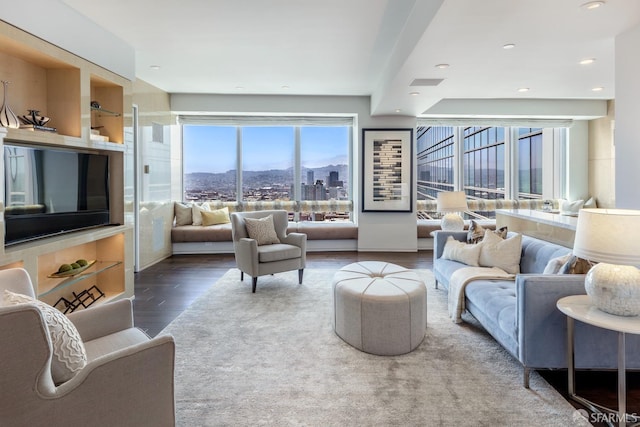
x=51 y=191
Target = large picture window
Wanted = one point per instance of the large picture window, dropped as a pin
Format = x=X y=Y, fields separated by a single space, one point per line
x=486 y=162
x=284 y=160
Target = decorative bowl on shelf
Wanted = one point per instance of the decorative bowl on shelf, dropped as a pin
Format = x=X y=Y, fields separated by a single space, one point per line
x=72 y=272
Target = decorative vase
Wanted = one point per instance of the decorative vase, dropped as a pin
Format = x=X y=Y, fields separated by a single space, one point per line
x=614 y=289
x=7 y=118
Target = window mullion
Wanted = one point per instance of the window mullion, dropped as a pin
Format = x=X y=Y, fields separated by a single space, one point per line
x=239 y=193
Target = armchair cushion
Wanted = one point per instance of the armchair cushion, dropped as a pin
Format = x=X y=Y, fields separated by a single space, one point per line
x=278 y=252
x=69 y=355
x=262 y=230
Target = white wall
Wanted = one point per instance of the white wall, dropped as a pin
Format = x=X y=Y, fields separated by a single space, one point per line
x=578 y=161
x=627 y=131
x=377 y=231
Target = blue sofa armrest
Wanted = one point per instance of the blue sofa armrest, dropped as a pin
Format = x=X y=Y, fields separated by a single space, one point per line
x=542 y=328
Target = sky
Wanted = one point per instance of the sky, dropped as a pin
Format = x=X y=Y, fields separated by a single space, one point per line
x=212 y=148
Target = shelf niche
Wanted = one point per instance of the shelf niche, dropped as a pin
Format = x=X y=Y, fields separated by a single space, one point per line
x=43 y=83
x=107 y=119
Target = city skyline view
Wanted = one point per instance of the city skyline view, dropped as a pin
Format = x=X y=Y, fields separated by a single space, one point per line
x=212 y=149
x=268 y=163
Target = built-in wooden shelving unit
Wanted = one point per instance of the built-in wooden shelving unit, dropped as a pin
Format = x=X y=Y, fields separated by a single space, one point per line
x=62 y=86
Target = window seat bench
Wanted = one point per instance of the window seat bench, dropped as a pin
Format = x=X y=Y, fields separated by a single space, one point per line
x=321 y=236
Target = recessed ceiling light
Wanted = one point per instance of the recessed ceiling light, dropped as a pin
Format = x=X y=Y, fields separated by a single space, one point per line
x=592 y=5
x=509 y=46
x=587 y=61
x=442 y=66
x=285 y=87
x=414 y=93
x=154 y=67
x=398 y=110
x=523 y=89
x=597 y=89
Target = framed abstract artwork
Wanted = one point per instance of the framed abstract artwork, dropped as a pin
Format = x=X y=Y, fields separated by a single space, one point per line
x=387 y=166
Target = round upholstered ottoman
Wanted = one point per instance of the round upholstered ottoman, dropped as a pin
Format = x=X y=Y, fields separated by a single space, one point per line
x=379 y=307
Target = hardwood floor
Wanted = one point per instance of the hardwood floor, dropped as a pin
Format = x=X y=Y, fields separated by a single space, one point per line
x=165 y=289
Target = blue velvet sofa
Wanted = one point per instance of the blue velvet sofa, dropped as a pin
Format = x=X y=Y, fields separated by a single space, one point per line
x=522 y=314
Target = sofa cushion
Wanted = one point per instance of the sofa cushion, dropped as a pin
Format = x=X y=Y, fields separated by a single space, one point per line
x=69 y=355
x=328 y=230
x=462 y=252
x=114 y=342
x=495 y=303
x=501 y=253
x=536 y=254
x=198 y=233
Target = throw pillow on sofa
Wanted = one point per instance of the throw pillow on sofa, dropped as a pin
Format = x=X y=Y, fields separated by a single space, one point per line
x=502 y=253
x=476 y=232
x=555 y=264
x=69 y=355
x=461 y=252
x=575 y=265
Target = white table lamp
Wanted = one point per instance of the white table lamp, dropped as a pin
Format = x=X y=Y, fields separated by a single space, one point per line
x=452 y=202
x=611 y=237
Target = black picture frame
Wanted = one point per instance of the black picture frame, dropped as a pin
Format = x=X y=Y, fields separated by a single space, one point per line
x=387 y=170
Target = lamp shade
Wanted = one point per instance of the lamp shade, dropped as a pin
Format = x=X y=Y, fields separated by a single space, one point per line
x=452 y=201
x=608 y=235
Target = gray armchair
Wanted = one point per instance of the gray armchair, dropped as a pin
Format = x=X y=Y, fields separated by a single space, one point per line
x=259 y=260
x=127 y=380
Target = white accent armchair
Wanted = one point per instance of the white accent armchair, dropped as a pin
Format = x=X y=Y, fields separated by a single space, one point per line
x=259 y=260
x=127 y=381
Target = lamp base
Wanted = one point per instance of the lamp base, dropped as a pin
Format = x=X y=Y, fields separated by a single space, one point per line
x=452 y=222
x=614 y=289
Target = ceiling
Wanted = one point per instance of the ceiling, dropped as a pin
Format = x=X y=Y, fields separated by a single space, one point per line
x=373 y=47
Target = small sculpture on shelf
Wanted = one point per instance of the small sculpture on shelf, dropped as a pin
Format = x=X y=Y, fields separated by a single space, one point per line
x=82 y=299
x=34 y=120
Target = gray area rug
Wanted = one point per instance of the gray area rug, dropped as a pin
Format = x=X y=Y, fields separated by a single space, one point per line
x=272 y=358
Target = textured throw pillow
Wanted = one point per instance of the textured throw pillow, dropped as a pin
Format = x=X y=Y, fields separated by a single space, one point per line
x=571 y=208
x=575 y=265
x=196 y=212
x=183 y=214
x=462 y=252
x=217 y=216
x=501 y=253
x=476 y=232
x=262 y=230
x=555 y=264
x=69 y=355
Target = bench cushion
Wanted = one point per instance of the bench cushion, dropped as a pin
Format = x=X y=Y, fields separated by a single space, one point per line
x=328 y=231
